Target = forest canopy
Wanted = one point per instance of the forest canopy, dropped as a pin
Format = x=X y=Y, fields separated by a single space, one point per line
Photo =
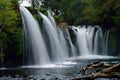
x=77 y=12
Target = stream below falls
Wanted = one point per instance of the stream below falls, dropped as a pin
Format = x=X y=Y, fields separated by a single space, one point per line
x=66 y=70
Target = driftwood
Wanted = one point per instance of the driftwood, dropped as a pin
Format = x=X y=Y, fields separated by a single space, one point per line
x=107 y=72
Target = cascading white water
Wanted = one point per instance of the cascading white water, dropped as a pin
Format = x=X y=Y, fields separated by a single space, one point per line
x=90 y=40
x=60 y=33
x=55 y=44
x=106 y=36
x=52 y=20
x=64 y=38
x=81 y=34
x=63 y=41
x=57 y=51
x=72 y=49
x=98 y=41
x=90 y=34
x=36 y=51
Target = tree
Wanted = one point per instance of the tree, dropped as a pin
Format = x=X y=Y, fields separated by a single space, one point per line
x=10 y=29
x=101 y=12
x=70 y=10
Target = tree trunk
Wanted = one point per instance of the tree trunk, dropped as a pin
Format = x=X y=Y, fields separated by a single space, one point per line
x=111 y=72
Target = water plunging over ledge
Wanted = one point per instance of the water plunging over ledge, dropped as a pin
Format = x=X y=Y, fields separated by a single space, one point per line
x=56 y=44
x=35 y=48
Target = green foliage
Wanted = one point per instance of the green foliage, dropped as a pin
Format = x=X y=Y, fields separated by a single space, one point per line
x=41 y=10
x=18 y=41
x=11 y=38
x=72 y=12
x=15 y=2
x=76 y=12
x=2 y=38
x=102 y=12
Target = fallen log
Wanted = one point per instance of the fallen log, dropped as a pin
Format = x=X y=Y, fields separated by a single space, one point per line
x=93 y=67
x=110 y=72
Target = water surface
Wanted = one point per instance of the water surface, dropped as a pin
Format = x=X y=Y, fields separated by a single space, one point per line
x=66 y=70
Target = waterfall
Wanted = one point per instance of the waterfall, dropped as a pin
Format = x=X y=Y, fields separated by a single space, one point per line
x=72 y=49
x=35 y=49
x=63 y=41
x=57 y=51
x=106 y=36
x=90 y=40
x=81 y=42
x=55 y=44
x=60 y=33
x=52 y=20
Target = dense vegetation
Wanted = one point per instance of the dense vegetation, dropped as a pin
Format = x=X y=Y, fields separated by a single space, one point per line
x=10 y=32
x=105 y=13
x=77 y=12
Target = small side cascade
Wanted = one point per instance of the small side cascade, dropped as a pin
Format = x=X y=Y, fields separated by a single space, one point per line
x=106 y=37
x=81 y=41
x=90 y=40
x=72 y=48
x=99 y=44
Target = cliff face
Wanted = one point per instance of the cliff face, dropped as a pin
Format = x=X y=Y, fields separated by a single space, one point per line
x=114 y=42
